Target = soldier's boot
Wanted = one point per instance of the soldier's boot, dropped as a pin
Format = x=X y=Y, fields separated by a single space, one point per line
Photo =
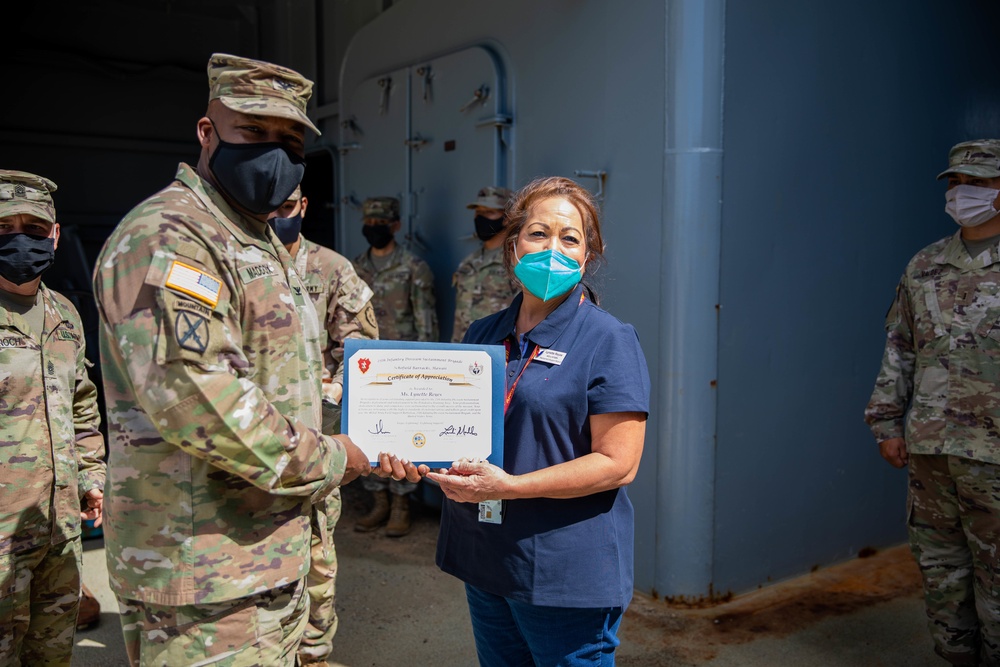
x=378 y=514
x=399 y=517
x=90 y=610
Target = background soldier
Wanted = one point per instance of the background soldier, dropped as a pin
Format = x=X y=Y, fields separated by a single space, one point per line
x=343 y=303
x=481 y=284
x=404 y=307
x=936 y=406
x=51 y=452
x=212 y=367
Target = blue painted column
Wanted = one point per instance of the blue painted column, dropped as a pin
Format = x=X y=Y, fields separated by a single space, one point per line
x=692 y=217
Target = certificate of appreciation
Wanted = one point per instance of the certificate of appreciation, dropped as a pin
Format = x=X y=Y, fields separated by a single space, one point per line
x=429 y=403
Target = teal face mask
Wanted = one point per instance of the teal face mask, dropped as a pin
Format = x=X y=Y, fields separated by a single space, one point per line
x=548 y=274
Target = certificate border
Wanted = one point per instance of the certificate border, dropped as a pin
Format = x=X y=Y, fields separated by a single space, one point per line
x=496 y=354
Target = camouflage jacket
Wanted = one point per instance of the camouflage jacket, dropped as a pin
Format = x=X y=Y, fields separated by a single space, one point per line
x=51 y=452
x=939 y=386
x=481 y=288
x=342 y=300
x=404 y=295
x=210 y=353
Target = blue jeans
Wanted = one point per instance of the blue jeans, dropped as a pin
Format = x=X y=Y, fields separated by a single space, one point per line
x=515 y=634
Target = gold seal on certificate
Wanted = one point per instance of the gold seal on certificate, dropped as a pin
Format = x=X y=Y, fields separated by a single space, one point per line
x=429 y=403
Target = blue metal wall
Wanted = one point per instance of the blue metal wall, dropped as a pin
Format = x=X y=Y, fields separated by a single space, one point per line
x=587 y=93
x=838 y=117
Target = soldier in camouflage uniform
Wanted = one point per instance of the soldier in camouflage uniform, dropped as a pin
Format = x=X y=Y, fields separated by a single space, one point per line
x=212 y=374
x=343 y=302
x=936 y=407
x=404 y=307
x=51 y=452
x=482 y=286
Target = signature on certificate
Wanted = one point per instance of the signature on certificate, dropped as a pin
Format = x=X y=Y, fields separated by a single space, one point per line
x=459 y=430
x=379 y=430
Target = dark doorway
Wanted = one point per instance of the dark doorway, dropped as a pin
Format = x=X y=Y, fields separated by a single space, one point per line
x=319 y=186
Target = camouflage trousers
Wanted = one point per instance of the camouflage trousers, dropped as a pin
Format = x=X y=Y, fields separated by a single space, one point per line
x=374 y=483
x=262 y=629
x=317 y=642
x=954 y=526
x=39 y=600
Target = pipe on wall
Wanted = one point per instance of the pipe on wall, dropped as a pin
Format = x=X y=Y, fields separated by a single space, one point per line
x=690 y=261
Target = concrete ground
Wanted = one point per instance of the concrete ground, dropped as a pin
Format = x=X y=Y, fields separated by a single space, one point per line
x=397 y=609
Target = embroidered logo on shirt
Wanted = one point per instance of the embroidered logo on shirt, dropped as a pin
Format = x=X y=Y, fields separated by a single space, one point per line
x=13 y=341
x=191 y=331
x=65 y=334
x=250 y=273
x=189 y=280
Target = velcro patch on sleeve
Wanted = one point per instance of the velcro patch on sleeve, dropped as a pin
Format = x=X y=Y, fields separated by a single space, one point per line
x=192 y=331
x=193 y=282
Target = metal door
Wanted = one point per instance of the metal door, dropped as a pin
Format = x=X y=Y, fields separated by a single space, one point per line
x=374 y=152
x=432 y=134
x=455 y=152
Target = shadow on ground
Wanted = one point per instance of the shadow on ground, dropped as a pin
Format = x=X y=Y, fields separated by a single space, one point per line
x=397 y=609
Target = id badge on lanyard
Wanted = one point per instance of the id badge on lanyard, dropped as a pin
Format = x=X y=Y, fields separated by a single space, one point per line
x=491 y=511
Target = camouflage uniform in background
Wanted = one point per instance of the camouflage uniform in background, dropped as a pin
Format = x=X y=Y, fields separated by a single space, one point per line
x=342 y=299
x=343 y=302
x=482 y=288
x=51 y=454
x=404 y=295
x=939 y=388
x=211 y=360
x=404 y=305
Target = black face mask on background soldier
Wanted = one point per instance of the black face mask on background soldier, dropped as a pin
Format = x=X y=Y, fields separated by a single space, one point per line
x=378 y=236
x=258 y=177
x=287 y=229
x=23 y=257
x=487 y=228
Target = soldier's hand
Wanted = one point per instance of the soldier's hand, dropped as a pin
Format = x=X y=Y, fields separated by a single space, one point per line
x=357 y=461
x=893 y=450
x=336 y=392
x=93 y=507
x=398 y=469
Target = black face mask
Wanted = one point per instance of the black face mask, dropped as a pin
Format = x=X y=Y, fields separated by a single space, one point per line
x=23 y=257
x=378 y=236
x=258 y=177
x=287 y=229
x=487 y=228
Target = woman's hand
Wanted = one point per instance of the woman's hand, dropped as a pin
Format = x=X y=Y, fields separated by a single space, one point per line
x=472 y=481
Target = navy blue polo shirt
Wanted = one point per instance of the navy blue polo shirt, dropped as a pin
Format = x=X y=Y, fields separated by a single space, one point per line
x=574 y=552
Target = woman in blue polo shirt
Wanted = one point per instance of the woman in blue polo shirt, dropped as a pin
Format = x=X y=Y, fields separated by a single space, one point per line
x=548 y=571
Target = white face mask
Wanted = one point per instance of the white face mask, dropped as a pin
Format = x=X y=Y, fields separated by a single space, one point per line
x=971 y=205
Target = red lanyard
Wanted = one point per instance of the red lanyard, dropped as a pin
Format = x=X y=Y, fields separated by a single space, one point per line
x=534 y=353
x=510 y=392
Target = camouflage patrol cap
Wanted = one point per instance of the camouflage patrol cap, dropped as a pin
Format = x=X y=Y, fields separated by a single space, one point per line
x=492 y=197
x=381 y=208
x=296 y=194
x=259 y=88
x=21 y=192
x=980 y=158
